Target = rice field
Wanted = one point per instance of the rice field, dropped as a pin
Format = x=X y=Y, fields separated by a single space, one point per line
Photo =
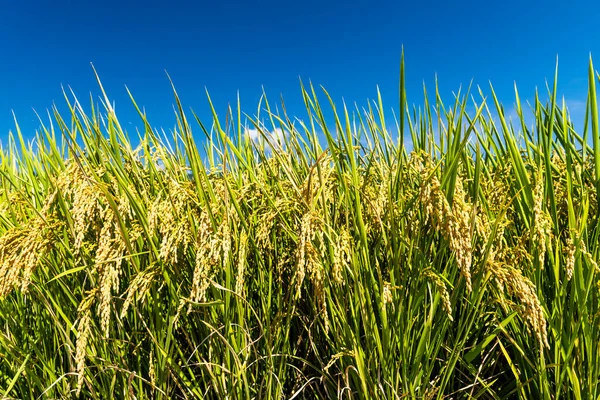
x=453 y=255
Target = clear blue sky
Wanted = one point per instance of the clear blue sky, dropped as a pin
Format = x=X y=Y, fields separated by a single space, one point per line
x=226 y=46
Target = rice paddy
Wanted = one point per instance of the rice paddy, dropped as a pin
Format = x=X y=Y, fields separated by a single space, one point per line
x=453 y=255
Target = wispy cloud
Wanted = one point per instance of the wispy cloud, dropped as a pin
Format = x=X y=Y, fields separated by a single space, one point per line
x=277 y=135
x=274 y=138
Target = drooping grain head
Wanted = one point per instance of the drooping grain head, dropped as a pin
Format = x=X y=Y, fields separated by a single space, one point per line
x=387 y=294
x=241 y=264
x=342 y=255
x=460 y=232
x=523 y=289
x=86 y=206
x=309 y=261
x=83 y=334
x=21 y=251
x=454 y=223
x=440 y=286
x=305 y=253
x=108 y=260
x=208 y=258
x=170 y=217
x=541 y=220
x=569 y=257
x=139 y=287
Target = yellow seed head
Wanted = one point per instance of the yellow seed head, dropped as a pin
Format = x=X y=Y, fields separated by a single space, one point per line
x=570 y=258
x=239 y=282
x=83 y=333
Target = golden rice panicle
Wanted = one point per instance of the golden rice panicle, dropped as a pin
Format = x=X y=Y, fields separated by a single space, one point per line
x=241 y=264
x=342 y=255
x=322 y=302
x=436 y=206
x=152 y=369
x=374 y=195
x=497 y=188
x=225 y=238
x=21 y=251
x=207 y=259
x=16 y=204
x=497 y=212
x=123 y=204
x=108 y=260
x=83 y=333
x=139 y=287
x=483 y=228
x=440 y=286
x=23 y=247
x=305 y=252
x=560 y=186
x=588 y=256
x=33 y=250
x=201 y=277
x=454 y=223
x=569 y=257
x=285 y=263
x=154 y=214
x=38 y=240
x=387 y=294
x=524 y=290
x=541 y=219
x=307 y=261
x=85 y=200
x=12 y=243
x=317 y=278
x=266 y=223
x=460 y=233
x=168 y=215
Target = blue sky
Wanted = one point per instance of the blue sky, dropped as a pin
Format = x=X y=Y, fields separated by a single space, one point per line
x=349 y=47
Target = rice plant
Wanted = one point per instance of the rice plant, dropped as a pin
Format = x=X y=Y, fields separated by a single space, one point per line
x=454 y=255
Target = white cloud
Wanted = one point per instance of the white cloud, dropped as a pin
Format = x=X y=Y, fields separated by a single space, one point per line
x=252 y=133
x=275 y=136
